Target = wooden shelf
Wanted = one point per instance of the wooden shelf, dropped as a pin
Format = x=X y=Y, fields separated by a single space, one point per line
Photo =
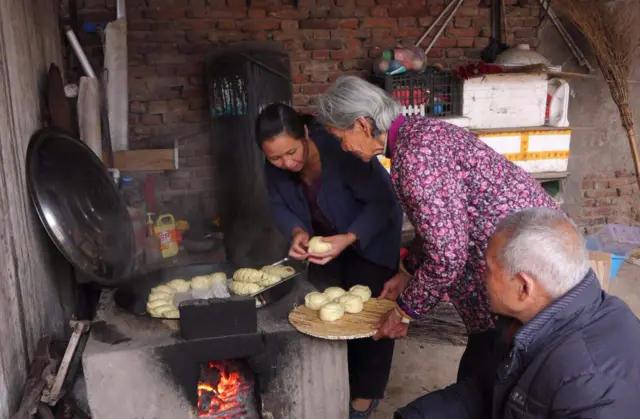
x=147 y=160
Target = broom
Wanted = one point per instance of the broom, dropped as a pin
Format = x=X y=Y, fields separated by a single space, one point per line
x=612 y=30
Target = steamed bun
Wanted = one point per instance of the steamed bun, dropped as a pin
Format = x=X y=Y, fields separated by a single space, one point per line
x=315 y=300
x=361 y=291
x=334 y=292
x=351 y=303
x=331 y=312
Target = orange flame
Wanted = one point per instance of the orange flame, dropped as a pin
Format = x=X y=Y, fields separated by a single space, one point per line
x=224 y=396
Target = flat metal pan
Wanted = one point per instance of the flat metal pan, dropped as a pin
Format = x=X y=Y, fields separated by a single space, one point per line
x=79 y=206
x=133 y=295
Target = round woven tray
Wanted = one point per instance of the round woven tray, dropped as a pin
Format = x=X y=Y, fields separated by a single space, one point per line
x=350 y=326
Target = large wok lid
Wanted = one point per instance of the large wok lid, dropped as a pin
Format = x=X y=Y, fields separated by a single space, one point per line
x=79 y=206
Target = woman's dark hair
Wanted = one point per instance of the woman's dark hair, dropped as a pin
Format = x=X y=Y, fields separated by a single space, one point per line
x=279 y=118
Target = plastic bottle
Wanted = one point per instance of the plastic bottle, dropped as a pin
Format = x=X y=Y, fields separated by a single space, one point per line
x=151 y=244
x=165 y=230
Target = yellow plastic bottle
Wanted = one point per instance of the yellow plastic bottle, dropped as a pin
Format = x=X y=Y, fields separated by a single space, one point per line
x=165 y=230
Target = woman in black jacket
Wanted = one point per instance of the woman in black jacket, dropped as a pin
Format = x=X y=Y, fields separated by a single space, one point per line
x=316 y=189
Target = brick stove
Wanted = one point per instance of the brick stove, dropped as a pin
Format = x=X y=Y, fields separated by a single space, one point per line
x=139 y=367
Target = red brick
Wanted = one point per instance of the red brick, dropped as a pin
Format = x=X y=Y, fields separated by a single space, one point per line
x=462 y=32
x=323 y=44
x=436 y=53
x=319 y=24
x=165 y=13
x=468 y=11
x=320 y=54
x=406 y=21
x=462 y=22
x=288 y=13
x=379 y=22
x=266 y=24
x=380 y=11
x=289 y=25
x=348 y=24
x=605 y=193
x=425 y=21
x=226 y=24
x=346 y=54
x=366 y=2
x=465 y=42
x=454 y=52
x=623 y=173
x=622 y=181
x=317 y=66
x=257 y=13
x=480 y=42
x=627 y=190
x=137 y=107
x=319 y=77
x=151 y=119
x=446 y=42
x=406 y=11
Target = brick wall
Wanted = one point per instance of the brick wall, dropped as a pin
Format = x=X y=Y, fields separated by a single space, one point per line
x=609 y=198
x=168 y=40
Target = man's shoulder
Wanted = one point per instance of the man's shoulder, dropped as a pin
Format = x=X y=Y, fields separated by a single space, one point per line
x=606 y=344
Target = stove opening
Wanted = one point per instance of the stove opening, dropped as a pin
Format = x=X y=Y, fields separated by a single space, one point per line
x=226 y=390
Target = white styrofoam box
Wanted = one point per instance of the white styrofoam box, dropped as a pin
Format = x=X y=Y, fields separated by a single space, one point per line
x=535 y=150
x=506 y=100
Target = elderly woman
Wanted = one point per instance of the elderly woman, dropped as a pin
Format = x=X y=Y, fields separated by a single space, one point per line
x=454 y=190
x=315 y=188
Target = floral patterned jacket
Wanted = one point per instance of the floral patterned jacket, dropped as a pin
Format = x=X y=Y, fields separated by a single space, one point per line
x=454 y=190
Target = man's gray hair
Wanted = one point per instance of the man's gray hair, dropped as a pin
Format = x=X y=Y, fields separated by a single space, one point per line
x=350 y=98
x=545 y=244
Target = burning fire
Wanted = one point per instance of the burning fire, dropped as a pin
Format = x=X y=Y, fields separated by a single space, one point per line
x=222 y=398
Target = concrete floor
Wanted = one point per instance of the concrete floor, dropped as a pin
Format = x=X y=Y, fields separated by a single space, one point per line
x=420 y=367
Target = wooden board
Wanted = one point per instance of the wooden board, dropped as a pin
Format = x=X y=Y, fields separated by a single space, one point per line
x=350 y=326
x=145 y=160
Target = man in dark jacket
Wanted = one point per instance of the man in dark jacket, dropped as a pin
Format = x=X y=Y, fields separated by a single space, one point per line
x=577 y=352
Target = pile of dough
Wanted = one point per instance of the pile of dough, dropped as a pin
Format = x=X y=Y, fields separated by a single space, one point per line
x=315 y=300
x=244 y=288
x=317 y=245
x=160 y=301
x=201 y=282
x=281 y=271
x=351 y=303
x=256 y=277
x=361 y=291
x=180 y=285
x=334 y=292
x=218 y=277
x=331 y=312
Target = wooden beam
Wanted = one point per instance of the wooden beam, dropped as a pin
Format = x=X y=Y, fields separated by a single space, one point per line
x=145 y=160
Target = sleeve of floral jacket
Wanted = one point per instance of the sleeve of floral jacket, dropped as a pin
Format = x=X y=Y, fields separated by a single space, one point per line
x=431 y=188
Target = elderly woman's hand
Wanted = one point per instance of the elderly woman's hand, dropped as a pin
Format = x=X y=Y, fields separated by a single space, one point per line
x=394 y=324
x=338 y=243
x=394 y=286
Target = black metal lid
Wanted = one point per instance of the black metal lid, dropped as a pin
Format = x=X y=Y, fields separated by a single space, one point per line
x=79 y=206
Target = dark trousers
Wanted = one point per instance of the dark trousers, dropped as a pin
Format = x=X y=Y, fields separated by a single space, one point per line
x=473 y=389
x=369 y=360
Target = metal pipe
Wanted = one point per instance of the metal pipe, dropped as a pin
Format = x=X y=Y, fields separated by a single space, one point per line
x=435 y=22
x=573 y=47
x=77 y=48
x=444 y=25
x=121 y=9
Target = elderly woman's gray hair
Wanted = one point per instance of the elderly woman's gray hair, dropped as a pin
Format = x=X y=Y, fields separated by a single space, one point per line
x=545 y=244
x=350 y=98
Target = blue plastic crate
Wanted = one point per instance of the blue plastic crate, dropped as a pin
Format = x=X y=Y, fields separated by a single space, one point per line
x=616 y=263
